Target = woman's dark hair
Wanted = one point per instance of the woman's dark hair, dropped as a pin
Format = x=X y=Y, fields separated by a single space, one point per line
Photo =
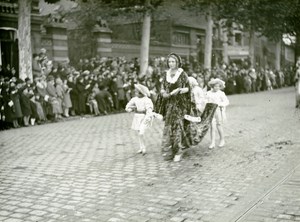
x=176 y=57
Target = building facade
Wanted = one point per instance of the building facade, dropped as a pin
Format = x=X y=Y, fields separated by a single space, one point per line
x=182 y=33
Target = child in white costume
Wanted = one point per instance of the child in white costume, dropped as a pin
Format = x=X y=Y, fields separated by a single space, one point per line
x=215 y=95
x=198 y=94
x=142 y=107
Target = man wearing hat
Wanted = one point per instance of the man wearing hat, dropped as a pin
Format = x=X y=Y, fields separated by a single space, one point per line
x=142 y=107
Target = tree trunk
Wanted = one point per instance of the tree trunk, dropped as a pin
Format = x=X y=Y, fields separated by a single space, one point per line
x=297 y=46
x=252 y=47
x=225 y=47
x=278 y=55
x=24 y=39
x=208 y=41
x=144 y=53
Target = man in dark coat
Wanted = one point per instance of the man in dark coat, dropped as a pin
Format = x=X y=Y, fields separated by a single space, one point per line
x=104 y=100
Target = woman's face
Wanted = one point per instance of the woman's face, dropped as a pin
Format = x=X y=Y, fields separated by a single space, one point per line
x=172 y=63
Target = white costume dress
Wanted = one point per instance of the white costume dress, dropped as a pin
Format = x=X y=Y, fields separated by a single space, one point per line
x=143 y=113
x=198 y=97
x=222 y=101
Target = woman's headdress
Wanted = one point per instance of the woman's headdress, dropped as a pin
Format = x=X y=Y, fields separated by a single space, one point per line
x=176 y=57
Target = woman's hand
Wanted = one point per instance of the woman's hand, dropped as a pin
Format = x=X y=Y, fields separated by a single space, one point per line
x=175 y=92
x=165 y=95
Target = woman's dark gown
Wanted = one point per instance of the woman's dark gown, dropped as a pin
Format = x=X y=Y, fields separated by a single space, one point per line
x=178 y=133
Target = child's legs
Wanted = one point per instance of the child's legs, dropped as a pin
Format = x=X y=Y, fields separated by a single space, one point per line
x=141 y=136
x=96 y=109
x=32 y=121
x=66 y=112
x=220 y=131
x=26 y=120
x=15 y=123
x=213 y=132
x=91 y=107
x=219 y=123
x=142 y=141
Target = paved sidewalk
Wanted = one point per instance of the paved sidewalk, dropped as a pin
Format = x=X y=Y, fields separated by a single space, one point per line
x=88 y=169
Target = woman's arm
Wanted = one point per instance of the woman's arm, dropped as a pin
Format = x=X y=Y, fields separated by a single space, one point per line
x=183 y=90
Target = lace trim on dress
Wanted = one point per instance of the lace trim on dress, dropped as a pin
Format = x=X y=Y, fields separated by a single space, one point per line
x=175 y=77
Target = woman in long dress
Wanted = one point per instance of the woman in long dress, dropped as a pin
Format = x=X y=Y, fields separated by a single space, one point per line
x=173 y=103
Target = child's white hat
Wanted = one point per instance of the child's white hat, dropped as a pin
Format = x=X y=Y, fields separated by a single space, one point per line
x=212 y=82
x=142 y=89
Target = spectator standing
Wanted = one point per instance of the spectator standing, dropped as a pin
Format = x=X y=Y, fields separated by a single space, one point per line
x=15 y=110
x=82 y=90
x=25 y=96
x=104 y=100
x=55 y=109
x=73 y=93
x=113 y=89
x=253 y=76
x=41 y=89
x=121 y=91
x=66 y=103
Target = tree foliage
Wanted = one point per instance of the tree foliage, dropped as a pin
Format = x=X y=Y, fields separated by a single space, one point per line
x=90 y=11
x=271 y=18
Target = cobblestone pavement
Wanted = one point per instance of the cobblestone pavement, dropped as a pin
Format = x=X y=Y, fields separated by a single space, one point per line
x=88 y=169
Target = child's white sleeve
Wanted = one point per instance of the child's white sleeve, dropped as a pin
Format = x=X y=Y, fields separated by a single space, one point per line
x=224 y=100
x=149 y=106
x=130 y=105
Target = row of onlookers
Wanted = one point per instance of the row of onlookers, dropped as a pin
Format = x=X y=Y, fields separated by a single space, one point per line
x=100 y=86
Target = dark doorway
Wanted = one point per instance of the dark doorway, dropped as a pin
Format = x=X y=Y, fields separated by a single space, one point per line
x=9 y=52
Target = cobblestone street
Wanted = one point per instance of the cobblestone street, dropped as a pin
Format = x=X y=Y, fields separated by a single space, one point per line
x=87 y=170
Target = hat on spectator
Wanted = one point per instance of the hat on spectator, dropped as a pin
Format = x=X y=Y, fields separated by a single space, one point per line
x=50 y=78
x=19 y=81
x=215 y=81
x=176 y=57
x=86 y=72
x=142 y=89
x=43 y=50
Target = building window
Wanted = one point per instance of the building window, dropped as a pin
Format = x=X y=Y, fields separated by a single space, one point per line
x=238 y=39
x=181 y=38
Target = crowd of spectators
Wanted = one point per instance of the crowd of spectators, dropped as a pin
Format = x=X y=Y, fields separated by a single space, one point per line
x=103 y=85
